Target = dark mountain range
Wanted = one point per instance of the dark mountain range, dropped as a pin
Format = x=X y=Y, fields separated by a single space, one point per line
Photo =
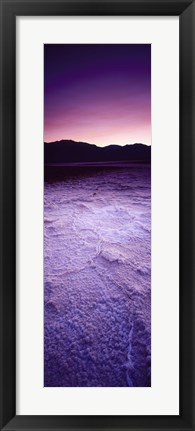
x=67 y=151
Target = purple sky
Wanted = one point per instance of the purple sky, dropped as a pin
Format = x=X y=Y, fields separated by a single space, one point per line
x=99 y=94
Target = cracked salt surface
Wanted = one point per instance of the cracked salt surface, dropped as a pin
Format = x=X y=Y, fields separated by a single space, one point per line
x=97 y=277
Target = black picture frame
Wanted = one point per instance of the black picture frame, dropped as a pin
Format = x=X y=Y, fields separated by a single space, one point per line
x=9 y=10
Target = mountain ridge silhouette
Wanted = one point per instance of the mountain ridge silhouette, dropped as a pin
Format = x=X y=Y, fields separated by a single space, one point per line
x=69 y=151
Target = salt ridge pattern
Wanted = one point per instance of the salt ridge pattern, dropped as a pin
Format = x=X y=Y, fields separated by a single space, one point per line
x=97 y=279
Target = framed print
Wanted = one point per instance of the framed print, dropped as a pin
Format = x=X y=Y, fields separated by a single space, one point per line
x=97 y=212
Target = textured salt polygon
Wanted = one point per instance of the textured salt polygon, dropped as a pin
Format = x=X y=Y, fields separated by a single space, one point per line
x=97 y=277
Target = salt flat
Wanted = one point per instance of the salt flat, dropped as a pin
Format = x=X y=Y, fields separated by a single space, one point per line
x=97 y=278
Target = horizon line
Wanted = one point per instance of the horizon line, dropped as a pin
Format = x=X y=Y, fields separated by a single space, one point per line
x=99 y=146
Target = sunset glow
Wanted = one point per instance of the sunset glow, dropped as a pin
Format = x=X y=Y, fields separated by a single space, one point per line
x=99 y=94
